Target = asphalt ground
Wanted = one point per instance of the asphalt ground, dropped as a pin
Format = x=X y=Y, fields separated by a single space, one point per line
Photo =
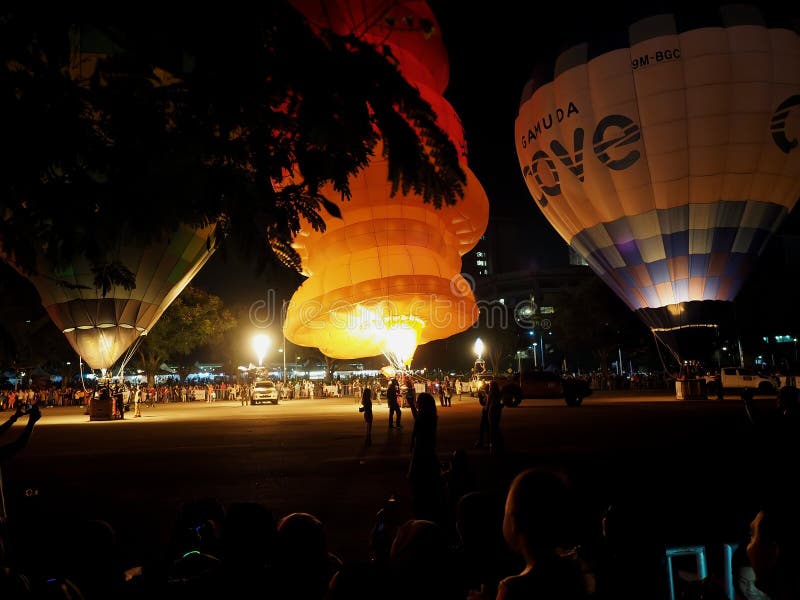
x=689 y=470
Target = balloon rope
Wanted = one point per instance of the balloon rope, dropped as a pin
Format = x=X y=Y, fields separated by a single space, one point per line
x=661 y=357
x=83 y=383
x=129 y=355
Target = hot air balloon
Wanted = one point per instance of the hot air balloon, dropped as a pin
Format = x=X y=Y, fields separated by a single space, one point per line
x=668 y=160
x=386 y=277
x=101 y=327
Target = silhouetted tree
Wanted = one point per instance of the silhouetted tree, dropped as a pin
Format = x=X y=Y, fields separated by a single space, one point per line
x=195 y=318
x=120 y=128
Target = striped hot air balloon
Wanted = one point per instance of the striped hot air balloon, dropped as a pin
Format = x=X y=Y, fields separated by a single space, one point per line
x=101 y=327
x=667 y=158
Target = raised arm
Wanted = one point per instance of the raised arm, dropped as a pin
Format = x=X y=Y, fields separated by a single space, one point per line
x=12 y=448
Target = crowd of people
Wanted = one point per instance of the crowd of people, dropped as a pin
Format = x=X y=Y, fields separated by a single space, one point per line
x=460 y=542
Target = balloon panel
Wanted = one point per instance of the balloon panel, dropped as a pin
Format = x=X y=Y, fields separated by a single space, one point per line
x=668 y=164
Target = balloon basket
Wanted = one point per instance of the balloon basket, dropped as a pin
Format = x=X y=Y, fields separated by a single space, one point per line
x=690 y=389
x=101 y=409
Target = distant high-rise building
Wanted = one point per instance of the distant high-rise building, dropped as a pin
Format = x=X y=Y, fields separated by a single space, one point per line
x=482 y=261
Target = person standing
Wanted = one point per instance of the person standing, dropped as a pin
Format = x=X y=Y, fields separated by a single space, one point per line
x=448 y=391
x=366 y=408
x=137 y=402
x=411 y=395
x=424 y=470
x=494 y=405
x=483 y=432
x=459 y=389
x=394 y=404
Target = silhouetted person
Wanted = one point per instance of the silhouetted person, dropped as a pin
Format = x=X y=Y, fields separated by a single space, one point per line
x=10 y=449
x=424 y=471
x=774 y=548
x=387 y=521
x=422 y=563
x=248 y=544
x=629 y=563
x=494 y=405
x=534 y=526
x=483 y=432
x=303 y=567
x=92 y=559
x=483 y=556
x=393 y=401
x=366 y=408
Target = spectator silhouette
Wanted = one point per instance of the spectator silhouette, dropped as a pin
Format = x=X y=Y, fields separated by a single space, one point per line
x=387 y=522
x=194 y=550
x=629 y=561
x=744 y=578
x=303 y=565
x=366 y=408
x=494 y=407
x=776 y=433
x=422 y=563
x=424 y=471
x=392 y=400
x=483 y=556
x=483 y=432
x=774 y=547
x=533 y=526
x=458 y=479
x=92 y=561
x=360 y=581
x=10 y=449
x=248 y=542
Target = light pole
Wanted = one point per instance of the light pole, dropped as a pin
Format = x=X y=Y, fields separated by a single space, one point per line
x=283 y=316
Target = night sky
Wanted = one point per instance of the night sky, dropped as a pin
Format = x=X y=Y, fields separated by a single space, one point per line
x=493 y=49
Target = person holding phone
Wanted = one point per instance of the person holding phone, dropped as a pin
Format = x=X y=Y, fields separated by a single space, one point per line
x=10 y=449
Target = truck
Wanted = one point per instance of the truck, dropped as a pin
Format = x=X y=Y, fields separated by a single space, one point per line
x=543 y=384
x=478 y=382
x=737 y=379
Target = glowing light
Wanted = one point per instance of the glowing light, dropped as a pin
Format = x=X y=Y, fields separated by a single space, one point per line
x=261 y=344
x=478 y=348
x=401 y=340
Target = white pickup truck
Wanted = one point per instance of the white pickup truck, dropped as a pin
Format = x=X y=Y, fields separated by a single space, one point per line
x=737 y=378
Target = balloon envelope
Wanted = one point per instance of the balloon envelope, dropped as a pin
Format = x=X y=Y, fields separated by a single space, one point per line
x=389 y=264
x=100 y=328
x=668 y=160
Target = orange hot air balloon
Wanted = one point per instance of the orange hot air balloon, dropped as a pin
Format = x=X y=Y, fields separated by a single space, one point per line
x=386 y=277
x=102 y=327
x=669 y=160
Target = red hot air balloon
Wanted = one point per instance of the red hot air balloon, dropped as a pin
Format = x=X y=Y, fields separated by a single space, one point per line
x=669 y=160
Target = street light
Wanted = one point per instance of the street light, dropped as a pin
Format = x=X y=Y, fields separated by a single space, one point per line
x=283 y=331
x=535 y=361
x=261 y=344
